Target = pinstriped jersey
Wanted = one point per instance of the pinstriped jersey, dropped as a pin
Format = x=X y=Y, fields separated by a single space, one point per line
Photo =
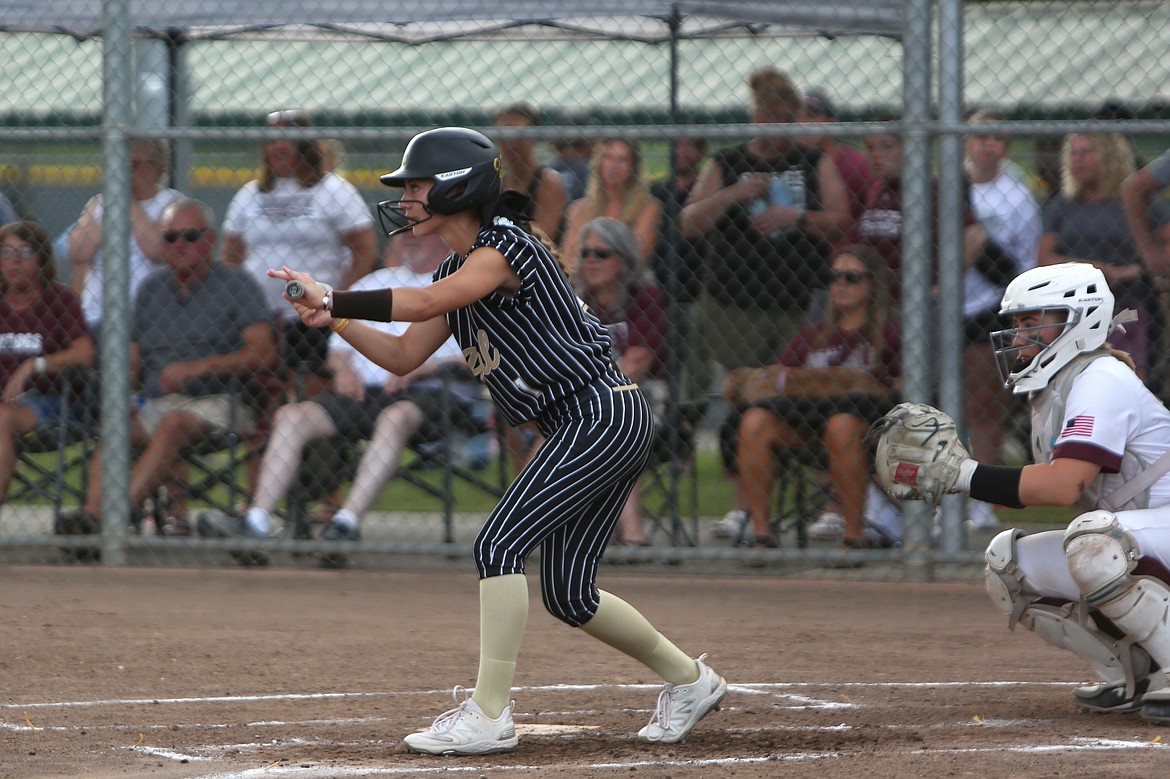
x=537 y=346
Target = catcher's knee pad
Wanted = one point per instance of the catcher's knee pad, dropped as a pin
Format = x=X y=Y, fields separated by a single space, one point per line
x=1102 y=555
x=1002 y=576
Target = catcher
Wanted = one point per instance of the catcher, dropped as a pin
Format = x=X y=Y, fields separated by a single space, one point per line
x=1101 y=442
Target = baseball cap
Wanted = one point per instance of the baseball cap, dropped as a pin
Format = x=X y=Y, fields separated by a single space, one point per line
x=291 y=117
x=817 y=102
x=1113 y=109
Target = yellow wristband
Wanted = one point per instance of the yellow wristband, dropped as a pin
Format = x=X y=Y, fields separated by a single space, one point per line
x=340 y=325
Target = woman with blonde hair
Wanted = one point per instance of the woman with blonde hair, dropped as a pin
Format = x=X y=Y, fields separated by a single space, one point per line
x=617 y=188
x=1086 y=223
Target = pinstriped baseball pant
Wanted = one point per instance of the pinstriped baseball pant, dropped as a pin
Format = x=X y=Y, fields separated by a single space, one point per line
x=569 y=497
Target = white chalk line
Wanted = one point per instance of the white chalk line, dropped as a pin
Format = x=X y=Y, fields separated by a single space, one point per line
x=309 y=771
x=214 y=753
x=743 y=687
x=340 y=772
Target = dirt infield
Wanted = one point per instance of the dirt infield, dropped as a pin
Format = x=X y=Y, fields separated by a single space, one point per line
x=269 y=673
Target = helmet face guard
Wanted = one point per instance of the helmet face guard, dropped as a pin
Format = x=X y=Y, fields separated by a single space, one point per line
x=393 y=219
x=1008 y=343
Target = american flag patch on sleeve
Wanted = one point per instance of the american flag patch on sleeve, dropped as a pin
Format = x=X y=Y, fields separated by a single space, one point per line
x=1078 y=426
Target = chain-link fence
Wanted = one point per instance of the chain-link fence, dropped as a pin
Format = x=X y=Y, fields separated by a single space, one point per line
x=845 y=189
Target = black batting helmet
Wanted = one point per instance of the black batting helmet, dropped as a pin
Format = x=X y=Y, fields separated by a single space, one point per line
x=464 y=164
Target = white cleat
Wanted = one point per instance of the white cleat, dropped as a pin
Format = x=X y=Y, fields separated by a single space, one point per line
x=680 y=707
x=466 y=730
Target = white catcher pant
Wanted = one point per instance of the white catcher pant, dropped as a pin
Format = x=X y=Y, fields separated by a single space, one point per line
x=1042 y=563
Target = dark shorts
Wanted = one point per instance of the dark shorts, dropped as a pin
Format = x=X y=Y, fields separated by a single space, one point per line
x=805 y=415
x=306 y=349
x=357 y=419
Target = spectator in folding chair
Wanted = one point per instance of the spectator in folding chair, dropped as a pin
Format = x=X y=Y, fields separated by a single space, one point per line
x=367 y=402
x=42 y=334
x=612 y=281
x=768 y=211
x=196 y=326
x=834 y=380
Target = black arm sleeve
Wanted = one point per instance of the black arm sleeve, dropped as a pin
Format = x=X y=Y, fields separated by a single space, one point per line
x=375 y=305
x=997 y=484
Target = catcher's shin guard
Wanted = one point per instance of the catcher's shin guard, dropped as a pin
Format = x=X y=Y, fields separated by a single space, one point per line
x=1116 y=662
x=1102 y=555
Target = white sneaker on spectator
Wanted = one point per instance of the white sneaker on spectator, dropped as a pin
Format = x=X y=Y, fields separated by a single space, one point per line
x=980 y=516
x=466 y=730
x=732 y=525
x=829 y=526
x=681 y=706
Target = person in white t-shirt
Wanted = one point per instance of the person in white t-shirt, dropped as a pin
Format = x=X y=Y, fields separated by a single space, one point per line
x=367 y=401
x=1005 y=206
x=149 y=163
x=297 y=212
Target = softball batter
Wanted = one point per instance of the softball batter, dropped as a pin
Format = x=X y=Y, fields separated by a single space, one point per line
x=527 y=337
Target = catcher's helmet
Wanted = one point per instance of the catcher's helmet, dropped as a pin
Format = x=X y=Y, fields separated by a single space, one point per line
x=464 y=164
x=1076 y=288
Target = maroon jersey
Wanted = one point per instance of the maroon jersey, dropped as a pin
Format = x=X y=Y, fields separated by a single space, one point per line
x=52 y=323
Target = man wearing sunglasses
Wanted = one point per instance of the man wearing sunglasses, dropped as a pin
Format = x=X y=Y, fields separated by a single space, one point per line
x=197 y=324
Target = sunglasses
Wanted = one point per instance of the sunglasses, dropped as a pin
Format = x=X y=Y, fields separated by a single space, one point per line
x=600 y=254
x=849 y=276
x=190 y=236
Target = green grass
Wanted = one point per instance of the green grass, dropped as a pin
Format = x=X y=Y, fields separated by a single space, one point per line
x=715 y=493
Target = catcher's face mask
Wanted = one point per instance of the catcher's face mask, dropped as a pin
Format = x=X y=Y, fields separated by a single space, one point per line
x=1033 y=344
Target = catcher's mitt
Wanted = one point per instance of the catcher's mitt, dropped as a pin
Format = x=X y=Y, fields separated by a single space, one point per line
x=918 y=452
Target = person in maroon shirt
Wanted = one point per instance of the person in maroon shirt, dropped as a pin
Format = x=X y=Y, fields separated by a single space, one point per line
x=42 y=333
x=852 y=163
x=613 y=283
x=857 y=332
x=880 y=223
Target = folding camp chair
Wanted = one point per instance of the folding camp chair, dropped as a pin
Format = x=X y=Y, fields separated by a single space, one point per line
x=333 y=462
x=214 y=472
x=52 y=462
x=670 y=472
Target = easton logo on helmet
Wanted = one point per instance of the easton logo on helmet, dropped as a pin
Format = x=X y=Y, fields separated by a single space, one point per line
x=452 y=174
